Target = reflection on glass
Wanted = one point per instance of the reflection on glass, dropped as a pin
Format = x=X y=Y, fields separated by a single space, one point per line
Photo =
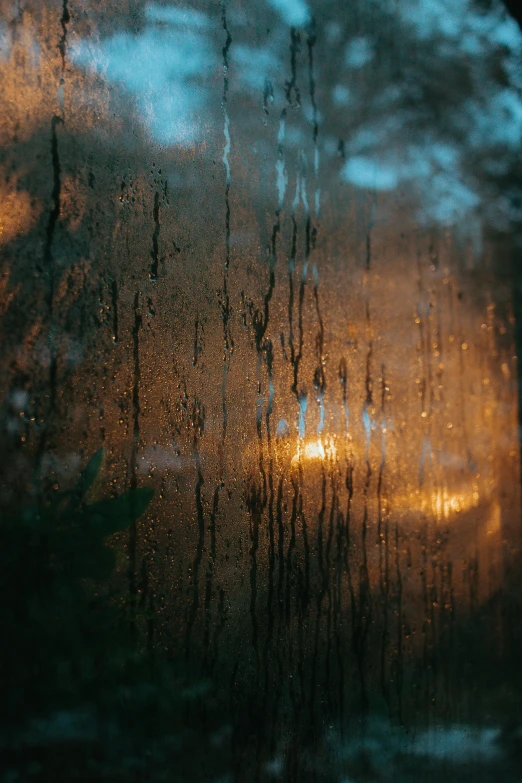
x=259 y=305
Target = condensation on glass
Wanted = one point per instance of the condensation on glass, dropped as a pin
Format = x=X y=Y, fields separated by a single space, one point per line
x=236 y=256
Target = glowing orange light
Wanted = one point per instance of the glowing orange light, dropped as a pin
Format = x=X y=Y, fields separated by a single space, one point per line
x=315 y=450
x=445 y=504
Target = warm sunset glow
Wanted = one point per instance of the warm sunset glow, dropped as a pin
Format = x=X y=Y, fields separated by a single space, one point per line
x=445 y=504
x=315 y=450
x=442 y=504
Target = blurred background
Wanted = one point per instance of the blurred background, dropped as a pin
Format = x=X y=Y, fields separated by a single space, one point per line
x=260 y=312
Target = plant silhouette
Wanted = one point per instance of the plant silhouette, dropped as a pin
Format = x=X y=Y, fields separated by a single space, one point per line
x=59 y=619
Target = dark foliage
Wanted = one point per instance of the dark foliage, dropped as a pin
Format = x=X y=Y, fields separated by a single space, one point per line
x=60 y=622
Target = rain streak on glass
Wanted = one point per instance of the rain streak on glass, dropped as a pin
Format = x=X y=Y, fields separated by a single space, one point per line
x=260 y=294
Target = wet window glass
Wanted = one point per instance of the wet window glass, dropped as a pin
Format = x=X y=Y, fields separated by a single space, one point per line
x=260 y=313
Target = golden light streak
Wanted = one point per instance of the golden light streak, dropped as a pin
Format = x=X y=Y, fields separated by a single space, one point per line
x=315 y=450
x=445 y=504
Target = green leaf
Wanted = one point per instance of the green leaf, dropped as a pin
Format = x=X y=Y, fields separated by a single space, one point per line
x=88 y=476
x=116 y=514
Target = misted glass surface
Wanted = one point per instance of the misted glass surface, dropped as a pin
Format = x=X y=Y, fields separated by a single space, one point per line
x=259 y=402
